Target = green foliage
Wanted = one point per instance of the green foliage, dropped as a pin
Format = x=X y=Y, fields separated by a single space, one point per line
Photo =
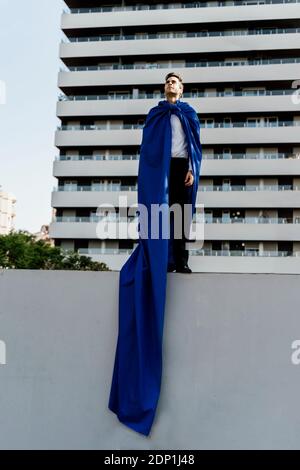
x=20 y=250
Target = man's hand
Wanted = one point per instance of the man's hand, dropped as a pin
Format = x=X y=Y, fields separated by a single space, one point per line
x=189 y=179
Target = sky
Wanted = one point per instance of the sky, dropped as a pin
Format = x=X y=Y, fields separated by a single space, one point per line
x=29 y=64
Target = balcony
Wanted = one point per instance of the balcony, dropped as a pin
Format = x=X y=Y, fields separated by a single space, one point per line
x=201 y=72
x=153 y=15
x=212 y=261
x=273 y=155
x=184 y=34
x=248 y=228
x=91 y=198
x=157 y=47
x=235 y=103
x=148 y=7
x=252 y=231
x=209 y=136
x=221 y=199
x=119 y=167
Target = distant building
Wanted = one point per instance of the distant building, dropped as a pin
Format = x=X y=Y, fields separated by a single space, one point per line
x=7 y=212
x=43 y=234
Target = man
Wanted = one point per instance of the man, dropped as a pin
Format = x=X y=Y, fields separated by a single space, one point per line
x=164 y=175
x=181 y=174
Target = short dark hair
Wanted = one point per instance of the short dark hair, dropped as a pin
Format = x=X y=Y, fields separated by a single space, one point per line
x=174 y=74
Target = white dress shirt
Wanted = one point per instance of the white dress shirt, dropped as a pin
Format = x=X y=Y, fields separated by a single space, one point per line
x=179 y=143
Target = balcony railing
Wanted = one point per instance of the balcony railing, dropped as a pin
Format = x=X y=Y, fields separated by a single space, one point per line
x=85 y=158
x=104 y=251
x=183 y=34
x=208 y=252
x=232 y=156
x=199 y=252
x=214 y=125
x=197 y=218
x=199 y=94
x=167 y=6
x=249 y=220
x=185 y=64
x=78 y=188
x=215 y=188
x=94 y=127
x=95 y=219
x=256 y=156
x=270 y=187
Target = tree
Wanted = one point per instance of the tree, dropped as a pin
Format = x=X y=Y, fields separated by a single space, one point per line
x=20 y=250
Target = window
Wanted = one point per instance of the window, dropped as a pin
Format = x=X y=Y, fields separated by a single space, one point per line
x=253 y=122
x=70 y=185
x=271 y=121
x=226 y=185
x=208 y=216
x=227 y=154
x=227 y=122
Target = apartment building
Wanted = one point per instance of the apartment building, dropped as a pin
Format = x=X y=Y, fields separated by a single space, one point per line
x=7 y=212
x=240 y=61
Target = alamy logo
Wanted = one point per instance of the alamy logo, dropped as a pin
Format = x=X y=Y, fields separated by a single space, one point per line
x=2 y=353
x=295 y=357
x=2 y=92
x=296 y=94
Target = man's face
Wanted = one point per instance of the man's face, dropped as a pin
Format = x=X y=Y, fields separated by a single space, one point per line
x=173 y=87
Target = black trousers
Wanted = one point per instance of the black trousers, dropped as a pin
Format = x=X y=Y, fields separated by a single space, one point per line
x=178 y=194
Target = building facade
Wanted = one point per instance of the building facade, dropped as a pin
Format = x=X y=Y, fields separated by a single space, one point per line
x=7 y=212
x=240 y=61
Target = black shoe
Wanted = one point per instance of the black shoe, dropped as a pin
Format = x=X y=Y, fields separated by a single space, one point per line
x=184 y=269
x=171 y=268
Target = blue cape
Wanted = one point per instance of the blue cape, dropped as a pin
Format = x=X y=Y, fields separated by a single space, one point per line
x=137 y=370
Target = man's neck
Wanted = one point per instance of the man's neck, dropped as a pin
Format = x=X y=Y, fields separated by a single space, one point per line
x=172 y=99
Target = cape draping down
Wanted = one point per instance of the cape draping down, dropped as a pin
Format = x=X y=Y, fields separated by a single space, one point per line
x=137 y=370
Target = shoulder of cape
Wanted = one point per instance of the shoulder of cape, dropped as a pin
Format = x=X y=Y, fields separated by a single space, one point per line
x=155 y=110
x=187 y=109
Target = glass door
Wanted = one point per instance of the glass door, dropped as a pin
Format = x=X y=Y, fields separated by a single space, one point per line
x=225 y=217
x=226 y=184
x=70 y=185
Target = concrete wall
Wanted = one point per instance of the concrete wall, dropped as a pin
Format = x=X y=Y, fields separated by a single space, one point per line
x=229 y=381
